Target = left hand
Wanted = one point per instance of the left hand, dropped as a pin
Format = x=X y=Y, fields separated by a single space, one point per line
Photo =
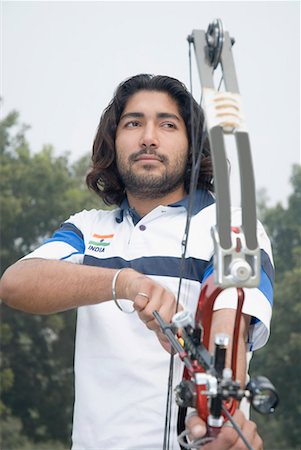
x=228 y=438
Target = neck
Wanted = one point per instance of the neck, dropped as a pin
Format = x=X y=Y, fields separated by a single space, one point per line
x=145 y=205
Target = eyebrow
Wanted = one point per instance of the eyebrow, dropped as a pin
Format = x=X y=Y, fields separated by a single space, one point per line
x=162 y=115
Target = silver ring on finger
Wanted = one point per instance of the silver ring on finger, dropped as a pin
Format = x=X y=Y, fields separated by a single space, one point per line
x=143 y=295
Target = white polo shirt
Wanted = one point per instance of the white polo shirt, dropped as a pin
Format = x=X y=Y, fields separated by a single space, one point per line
x=121 y=370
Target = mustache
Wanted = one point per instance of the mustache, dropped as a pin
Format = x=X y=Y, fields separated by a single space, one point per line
x=148 y=151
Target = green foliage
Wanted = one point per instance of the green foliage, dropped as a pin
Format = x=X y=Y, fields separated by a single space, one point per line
x=38 y=192
x=40 y=356
x=279 y=360
x=284 y=227
x=12 y=438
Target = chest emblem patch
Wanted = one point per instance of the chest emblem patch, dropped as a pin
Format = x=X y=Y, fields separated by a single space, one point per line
x=99 y=242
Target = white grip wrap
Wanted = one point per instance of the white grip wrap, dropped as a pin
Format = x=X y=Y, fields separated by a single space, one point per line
x=223 y=109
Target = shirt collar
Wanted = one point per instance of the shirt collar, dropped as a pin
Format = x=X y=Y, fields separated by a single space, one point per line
x=202 y=199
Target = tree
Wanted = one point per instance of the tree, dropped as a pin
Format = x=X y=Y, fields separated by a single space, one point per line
x=38 y=192
x=280 y=359
x=41 y=190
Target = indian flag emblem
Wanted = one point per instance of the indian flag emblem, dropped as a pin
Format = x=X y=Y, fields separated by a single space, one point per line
x=99 y=242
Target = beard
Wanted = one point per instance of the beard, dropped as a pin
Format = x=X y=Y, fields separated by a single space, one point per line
x=148 y=185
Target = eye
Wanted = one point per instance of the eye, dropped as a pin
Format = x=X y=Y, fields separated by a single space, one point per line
x=132 y=124
x=169 y=125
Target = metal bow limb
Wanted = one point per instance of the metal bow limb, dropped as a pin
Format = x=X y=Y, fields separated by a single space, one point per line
x=236 y=252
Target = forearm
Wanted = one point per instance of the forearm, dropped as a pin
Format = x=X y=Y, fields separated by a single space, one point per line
x=41 y=286
x=46 y=286
x=223 y=322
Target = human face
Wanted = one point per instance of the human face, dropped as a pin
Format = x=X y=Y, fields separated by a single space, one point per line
x=151 y=146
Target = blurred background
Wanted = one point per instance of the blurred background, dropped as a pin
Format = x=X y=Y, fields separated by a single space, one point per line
x=61 y=62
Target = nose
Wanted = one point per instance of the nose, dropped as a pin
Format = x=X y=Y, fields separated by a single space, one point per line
x=149 y=136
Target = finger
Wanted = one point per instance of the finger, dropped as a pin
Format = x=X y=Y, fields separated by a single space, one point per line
x=228 y=438
x=238 y=417
x=166 y=307
x=141 y=301
x=249 y=431
x=167 y=310
x=152 y=324
x=164 y=303
x=164 y=342
x=195 y=425
x=258 y=443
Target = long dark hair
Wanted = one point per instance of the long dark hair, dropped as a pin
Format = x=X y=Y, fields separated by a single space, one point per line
x=103 y=177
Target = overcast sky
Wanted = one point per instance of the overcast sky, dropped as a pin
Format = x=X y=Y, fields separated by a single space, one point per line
x=61 y=62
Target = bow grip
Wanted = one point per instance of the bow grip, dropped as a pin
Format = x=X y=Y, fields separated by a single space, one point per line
x=204 y=315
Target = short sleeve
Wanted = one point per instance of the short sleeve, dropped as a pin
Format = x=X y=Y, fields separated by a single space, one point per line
x=67 y=243
x=258 y=302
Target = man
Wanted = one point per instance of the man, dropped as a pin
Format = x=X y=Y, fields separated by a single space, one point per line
x=118 y=266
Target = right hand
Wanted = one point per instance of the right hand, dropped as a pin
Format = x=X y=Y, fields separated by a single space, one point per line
x=131 y=284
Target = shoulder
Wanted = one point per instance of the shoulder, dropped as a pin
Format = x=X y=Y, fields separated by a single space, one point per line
x=85 y=221
x=89 y=216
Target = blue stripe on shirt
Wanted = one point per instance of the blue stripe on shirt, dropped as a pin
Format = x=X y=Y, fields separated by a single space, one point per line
x=168 y=266
x=69 y=234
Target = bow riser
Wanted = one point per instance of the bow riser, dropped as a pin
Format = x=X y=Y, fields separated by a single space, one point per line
x=208 y=402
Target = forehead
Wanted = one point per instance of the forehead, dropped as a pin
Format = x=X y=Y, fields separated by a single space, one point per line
x=151 y=101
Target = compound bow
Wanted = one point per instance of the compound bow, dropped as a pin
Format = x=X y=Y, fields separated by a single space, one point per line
x=207 y=385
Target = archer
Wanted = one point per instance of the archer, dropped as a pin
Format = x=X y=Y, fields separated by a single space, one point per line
x=141 y=163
